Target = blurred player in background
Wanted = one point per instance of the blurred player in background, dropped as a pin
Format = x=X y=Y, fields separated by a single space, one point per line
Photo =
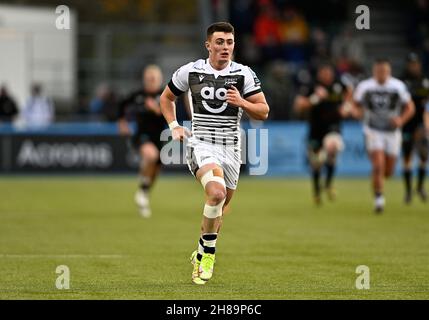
x=414 y=132
x=385 y=105
x=144 y=105
x=8 y=107
x=220 y=91
x=327 y=103
x=39 y=109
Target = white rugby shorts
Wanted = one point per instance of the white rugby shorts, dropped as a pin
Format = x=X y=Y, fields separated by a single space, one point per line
x=387 y=141
x=228 y=158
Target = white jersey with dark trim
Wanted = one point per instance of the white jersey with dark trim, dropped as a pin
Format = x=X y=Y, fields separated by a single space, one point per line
x=213 y=119
x=381 y=102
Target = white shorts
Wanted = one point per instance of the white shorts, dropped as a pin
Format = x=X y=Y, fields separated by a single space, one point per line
x=387 y=141
x=228 y=158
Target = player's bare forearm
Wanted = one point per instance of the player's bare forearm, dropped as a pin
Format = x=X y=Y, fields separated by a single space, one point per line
x=426 y=121
x=168 y=108
x=301 y=104
x=256 y=105
x=257 y=110
x=408 y=112
x=346 y=108
x=168 y=105
x=356 y=111
x=406 y=115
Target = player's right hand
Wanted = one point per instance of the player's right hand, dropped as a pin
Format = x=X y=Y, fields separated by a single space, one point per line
x=180 y=133
x=321 y=92
x=397 y=122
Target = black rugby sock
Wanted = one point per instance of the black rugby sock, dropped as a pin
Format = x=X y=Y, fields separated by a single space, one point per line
x=316 y=182
x=407 y=180
x=421 y=175
x=330 y=170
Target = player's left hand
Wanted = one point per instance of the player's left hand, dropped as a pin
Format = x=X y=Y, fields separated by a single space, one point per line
x=233 y=97
x=346 y=110
x=397 y=122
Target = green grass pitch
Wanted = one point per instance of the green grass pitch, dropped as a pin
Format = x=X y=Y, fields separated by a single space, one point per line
x=274 y=244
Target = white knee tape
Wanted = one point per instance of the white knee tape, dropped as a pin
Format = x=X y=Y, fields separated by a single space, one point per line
x=209 y=177
x=212 y=212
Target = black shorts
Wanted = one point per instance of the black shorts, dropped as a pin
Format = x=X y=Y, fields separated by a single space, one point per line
x=315 y=139
x=414 y=139
x=142 y=137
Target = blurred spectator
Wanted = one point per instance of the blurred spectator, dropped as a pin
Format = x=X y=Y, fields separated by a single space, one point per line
x=320 y=48
x=276 y=88
x=418 y=27
x=294 y=35
x=418 y=30
x=8 y=109
x=266 y=32
x=242 y=12
x=250 y=54
x=103 y=105
x=38 y=111
x=353 y=75
x=425 y=56
x=347 y=50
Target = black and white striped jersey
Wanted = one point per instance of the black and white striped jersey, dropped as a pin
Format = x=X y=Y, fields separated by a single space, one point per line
x=213 y=119
x=381 y=102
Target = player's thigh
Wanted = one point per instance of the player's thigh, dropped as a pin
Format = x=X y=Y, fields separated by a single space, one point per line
x=390 y=162
x=374 y=142
x=215 y=168
x=201 y=158
x=231 y=166
x=333 y=143
x=149 y=151
x=392 y=142
x=215 y=190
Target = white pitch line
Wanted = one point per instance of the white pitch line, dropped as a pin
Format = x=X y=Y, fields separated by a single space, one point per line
x=63 y=256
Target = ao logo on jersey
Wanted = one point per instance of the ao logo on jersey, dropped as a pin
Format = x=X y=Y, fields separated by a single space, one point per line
x=209 y=93
x=381 y=101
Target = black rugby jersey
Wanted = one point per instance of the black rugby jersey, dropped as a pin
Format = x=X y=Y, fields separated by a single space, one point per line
x=419 y=89
x=134 y=104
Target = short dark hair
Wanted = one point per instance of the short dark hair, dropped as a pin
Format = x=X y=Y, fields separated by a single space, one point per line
x=324 y=65
x=221 y=27
x=381 y=60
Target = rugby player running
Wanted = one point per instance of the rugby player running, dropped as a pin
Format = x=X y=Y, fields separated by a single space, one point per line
x=220 y=90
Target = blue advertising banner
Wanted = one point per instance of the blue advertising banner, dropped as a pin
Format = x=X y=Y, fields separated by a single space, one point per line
x=287 y=149
x=285 y=143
